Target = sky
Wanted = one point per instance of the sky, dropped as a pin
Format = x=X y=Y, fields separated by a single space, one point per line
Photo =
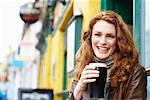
x=11 y=25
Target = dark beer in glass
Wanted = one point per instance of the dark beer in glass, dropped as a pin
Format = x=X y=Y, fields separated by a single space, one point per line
x=97 y=88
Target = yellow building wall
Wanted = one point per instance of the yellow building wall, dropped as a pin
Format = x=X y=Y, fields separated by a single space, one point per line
x=47 y=62
x=58 y=63
x=40 y=75
x=45 y=72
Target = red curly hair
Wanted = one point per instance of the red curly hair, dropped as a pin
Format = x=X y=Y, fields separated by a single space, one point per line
x=125 y=54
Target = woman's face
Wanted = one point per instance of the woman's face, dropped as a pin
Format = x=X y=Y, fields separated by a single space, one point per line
x=103 y=39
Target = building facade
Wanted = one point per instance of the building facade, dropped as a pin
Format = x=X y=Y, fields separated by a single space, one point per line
x=69 y=21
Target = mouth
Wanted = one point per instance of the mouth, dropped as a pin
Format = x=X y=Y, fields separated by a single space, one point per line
x=102 y=49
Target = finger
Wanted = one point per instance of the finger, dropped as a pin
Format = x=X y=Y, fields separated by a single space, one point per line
x=87 y=67
x=90 y=76
x=92 y=72
x=88 y=81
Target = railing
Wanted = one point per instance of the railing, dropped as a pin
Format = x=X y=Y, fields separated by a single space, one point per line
x=148 y=71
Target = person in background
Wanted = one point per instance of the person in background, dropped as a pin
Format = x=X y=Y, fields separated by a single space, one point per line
x=109 y=41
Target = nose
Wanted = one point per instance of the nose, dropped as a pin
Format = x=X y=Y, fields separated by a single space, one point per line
x=103 y=40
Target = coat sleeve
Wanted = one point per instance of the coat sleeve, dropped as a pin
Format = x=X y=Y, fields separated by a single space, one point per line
x=137 y=87
x=71 y=96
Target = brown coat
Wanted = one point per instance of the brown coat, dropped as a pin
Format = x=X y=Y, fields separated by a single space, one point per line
x=135 y=88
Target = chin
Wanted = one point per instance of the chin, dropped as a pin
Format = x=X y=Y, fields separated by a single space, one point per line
x=102 y=57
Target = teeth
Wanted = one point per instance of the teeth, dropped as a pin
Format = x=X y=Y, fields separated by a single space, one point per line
x=102 y=50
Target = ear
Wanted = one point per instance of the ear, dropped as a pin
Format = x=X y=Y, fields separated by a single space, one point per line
x=85 y=35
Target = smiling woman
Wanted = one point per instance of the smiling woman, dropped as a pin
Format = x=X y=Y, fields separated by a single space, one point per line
x=109 y=42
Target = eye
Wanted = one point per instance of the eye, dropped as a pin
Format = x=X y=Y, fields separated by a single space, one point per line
x=110 y=36
x=97 y=34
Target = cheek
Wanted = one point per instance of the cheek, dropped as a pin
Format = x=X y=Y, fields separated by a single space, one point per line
x=113 y=45
x=93 y=41
x=93 y=45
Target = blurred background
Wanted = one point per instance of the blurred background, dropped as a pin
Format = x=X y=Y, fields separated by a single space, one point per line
x=39 y=39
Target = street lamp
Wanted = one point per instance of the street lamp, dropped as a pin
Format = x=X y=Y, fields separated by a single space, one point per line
x=30 y=13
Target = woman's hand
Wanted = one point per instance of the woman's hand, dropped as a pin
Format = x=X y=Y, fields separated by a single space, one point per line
x=88 y=75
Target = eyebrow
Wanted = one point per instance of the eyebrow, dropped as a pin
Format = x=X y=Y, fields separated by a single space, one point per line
x=110 y=33
x=106 y=33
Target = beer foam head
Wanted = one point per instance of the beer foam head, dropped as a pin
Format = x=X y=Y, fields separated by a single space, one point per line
x=98 y=64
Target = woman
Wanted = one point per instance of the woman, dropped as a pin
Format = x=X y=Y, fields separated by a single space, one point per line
x=109 y=41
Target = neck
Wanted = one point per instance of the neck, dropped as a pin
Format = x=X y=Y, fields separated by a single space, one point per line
x=108 y=61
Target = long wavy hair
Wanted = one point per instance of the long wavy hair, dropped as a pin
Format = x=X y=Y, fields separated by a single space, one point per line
x=125 y=54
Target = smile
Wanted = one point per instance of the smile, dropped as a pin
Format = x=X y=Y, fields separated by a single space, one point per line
x=102 y=50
